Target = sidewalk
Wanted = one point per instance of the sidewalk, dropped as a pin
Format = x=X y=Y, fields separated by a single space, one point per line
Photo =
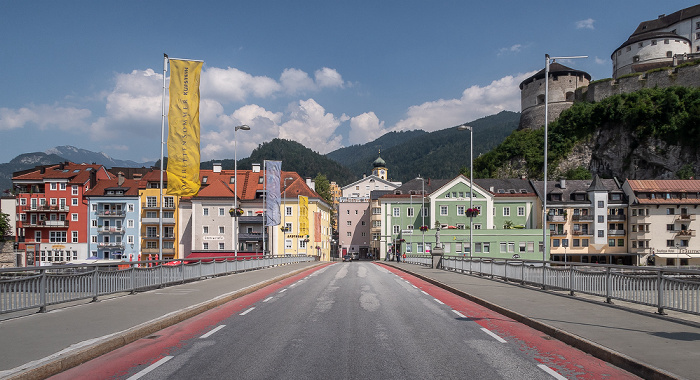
x=38 y=345
x=629 y=336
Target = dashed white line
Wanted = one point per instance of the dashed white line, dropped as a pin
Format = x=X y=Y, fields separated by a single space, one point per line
x=438 y=301
x=494 y=336
x=283 y=290
x=150 y=368
x=459 y=314
x=424 y=292
x=247 y=311
x=267 y=299
x=552 y=372
x=207 y=335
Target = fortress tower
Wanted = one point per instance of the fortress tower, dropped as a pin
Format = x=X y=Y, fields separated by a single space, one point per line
x=563 y=82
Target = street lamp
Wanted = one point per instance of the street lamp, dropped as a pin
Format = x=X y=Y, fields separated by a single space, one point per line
x=235 y=186
x=465 y=127
x=284 y=229
x=545 y=244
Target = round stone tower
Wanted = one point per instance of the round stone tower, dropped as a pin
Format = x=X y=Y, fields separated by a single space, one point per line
x=563 y=82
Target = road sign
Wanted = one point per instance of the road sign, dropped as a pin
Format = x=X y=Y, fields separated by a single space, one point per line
x=407 y=232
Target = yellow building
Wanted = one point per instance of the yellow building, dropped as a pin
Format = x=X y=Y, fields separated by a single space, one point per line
x=149 y=190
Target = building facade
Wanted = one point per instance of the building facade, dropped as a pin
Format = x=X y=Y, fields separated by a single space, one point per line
x=151 y=221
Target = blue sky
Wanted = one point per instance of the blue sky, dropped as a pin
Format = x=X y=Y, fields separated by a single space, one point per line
x=327 y=74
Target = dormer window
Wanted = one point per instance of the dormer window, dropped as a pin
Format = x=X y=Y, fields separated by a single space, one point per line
x=501 y=191
x=232 y=179
x=261 y=179
x=204 y=179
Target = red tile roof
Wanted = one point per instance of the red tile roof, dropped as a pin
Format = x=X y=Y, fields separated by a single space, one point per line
x=74 y=173
x=249 y=182
x=670 y=185
x=130 y=185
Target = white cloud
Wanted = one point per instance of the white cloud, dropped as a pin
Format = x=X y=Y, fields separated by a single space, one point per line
x=601 y=61
x=585 y=24
x=296 y=81
x=45 y=117
x=365 y=127
x=310 y=125
x=231 y=84
x=326 y=77
x=476 y=102
x=512 y=49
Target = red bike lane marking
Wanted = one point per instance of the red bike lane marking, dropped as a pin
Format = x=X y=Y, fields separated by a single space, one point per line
x=130 y=359
x=559 y=356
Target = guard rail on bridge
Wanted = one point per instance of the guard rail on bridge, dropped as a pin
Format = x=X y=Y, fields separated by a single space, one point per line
x=39 y=287
x=664 y=288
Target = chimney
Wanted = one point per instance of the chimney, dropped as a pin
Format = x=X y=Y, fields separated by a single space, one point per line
x=256 y=168
x=492 y=189
x=562 y=183
x=120 y=179
x=61 y=166
x=310 y=183
x=42 y=170
x=217 y=167
x=93 y=178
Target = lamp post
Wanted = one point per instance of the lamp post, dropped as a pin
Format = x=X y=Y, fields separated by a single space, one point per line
x=422 y=212
x=465 y=127
x=547 y=60
x=284 y=229
x=235 y=186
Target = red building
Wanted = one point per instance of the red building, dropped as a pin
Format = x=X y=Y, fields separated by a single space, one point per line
x=52 y=214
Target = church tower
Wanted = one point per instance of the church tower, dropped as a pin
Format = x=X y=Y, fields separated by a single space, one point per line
x=379 y=168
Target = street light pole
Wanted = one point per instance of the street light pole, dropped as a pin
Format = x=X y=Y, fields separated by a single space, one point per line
x=235 y=187
x=545 y=243
x=465 y=127
x=422 y=211
x=284 y=229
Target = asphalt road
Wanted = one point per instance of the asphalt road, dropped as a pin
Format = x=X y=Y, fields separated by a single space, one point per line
x=357 y=320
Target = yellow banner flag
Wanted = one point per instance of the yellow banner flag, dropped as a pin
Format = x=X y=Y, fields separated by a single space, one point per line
x=303 y=215
x=183 y=128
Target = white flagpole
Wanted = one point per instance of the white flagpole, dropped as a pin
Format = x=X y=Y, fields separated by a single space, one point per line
x=264 y=204
x=162 y=144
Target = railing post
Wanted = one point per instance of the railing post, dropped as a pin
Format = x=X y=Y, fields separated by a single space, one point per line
x=660 y=286
x=182 y=266
x=571 y=279
x=94 y=284
x=608 y=285
x=42 y=292
x=132 y=279
x=522 y=273
x=544 y=276
x=199 y=267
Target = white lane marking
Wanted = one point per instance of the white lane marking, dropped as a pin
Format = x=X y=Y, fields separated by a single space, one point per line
x=247 y=311
x=150 y=368
x=414 y=287
x=552 y=372
x=459 y=314
x=267 y=299
x=438 y=301
x=283 y=290
x=210 y=333
x=494 y=336
x=424 y=292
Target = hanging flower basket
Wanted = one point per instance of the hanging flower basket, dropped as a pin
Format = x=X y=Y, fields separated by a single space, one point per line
x=235 y=212
x=424 y=228
x=472 y=212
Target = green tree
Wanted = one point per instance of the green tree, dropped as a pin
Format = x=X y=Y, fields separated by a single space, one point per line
x=578 y=173
x=686 y=172
x=5 y=226
x=323 y=188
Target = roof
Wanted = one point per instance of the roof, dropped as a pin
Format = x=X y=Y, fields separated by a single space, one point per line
x=666 y=21
x=577 y=186
x=661 y=185
x=555 y=69
x=648 y=36
x=219 y=184
x=506 y=187
x=130 y=187
x=73 y=173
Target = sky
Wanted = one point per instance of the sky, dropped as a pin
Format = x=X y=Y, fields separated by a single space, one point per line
x=327 y=74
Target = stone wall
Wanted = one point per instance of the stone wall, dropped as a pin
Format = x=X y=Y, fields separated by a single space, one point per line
x=7 y=254
x=688 y=76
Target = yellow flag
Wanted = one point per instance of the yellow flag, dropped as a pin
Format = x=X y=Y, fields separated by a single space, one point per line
x=303 y=215
x=183 y=128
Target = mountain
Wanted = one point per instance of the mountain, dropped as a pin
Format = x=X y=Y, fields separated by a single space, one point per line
x=350 y=155
x=77 y=155
x=23 y=162
x=295 y=157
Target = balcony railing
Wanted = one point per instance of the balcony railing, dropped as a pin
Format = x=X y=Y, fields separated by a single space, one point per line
x=556 y=218
x=146 y=205
x=686 y=217
x=110 y=245
x=616 y=232
x=558 y=233
x=582 y=218
x=685 y=233
x=44 y=208
x=582 y=233
x=156 y=251
x=111 y=213
x=110 y=230
x=50 y=224
x=617 y=218
x=157 y=221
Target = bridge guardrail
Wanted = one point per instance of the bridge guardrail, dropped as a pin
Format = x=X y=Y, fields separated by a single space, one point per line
x=39 y=287
x=663 y=288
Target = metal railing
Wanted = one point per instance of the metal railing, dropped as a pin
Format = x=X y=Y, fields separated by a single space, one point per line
x=39 y=287
x=663 y=288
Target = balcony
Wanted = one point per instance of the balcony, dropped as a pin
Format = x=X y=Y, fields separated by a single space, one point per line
x=110 y=230
x=685 y=233
x=582 y=218
x=155 y=206
x=110 y=245
x=44 y=208
x=557 y=233
x=582 y=233
x=556 y=218
x=111 y=213
x=685 y=218
x=616 y=232
x=157 y=221
x=616 y=218
x=50 y=224
x=150 y=251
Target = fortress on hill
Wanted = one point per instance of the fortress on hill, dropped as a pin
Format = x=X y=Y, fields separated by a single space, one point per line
x=660 y=53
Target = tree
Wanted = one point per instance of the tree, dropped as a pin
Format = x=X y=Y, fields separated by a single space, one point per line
x=5 y=226
x=323 y=188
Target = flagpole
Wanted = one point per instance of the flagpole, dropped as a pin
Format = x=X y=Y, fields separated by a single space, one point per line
x=264 y=204
x=162 y=144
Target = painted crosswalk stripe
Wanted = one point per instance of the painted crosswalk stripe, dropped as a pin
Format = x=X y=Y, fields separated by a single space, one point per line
x=267 y=299
x=459 y=314
x=150 y=368
x=551 y=372
x=247 y=311
x=494 y=336
x=207 y=335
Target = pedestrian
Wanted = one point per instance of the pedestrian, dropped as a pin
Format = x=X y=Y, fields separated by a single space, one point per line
x=404 y=257
x=398 y=257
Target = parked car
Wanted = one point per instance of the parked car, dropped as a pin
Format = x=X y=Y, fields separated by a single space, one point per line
x=347 y=258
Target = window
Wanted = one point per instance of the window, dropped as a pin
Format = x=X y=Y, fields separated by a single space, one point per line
x=151 y=232
x=555 y=242
x=397 y=229
x=601 y=204
x=376 y=211
x=74 y=190
x=584 y=242
x=521 y=211
x=74 y=217
x=521 y=247
x=57 y=236
x=221 y=246
x=349 y=234
x=670 y=243
x=601 y=219
x=477 y=226
x=205 y=211
x=506 y=211
x=460 y=210
x=53 y=185
x=419 y=247
x=74 y=237
x=261 y=179
x=221 y=230
x=205 y=229
x=349 y=222
x=503 y=247
x=288 y=211
x=397 y=211
x=205 y=245
x=576 y=243
x=221 y=211
x=443 y=210
x=601 y=233
x=151 y=202
x=670 y=211
x=611 y=242
x=74 y=201
x=93 y=238
x=302 y=244
x=620 y=242
x=409 y=211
